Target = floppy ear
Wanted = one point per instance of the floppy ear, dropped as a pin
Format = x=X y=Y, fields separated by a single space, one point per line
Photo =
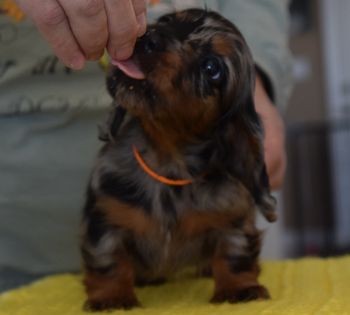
x=109 y=129
x=241 y=139
x=252 y=140
x=265 y=201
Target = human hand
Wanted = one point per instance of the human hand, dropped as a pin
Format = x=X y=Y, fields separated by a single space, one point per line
x=80 y=30
x=274 y=140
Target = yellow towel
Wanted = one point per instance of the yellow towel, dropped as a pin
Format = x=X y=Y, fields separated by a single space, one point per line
x=298 y=287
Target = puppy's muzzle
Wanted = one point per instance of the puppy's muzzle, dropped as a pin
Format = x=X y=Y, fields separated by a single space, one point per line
x=149 y=43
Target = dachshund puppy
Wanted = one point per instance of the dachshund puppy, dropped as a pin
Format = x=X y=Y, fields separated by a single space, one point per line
x=181 y=176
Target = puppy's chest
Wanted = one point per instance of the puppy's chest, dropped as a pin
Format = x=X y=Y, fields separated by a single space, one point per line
x=165 y=252
x=168 y=209
x=119 y=175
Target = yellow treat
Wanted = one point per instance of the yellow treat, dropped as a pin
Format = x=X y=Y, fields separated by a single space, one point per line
x=104 y=61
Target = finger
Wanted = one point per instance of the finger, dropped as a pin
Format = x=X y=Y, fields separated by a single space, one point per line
x=140 y=7
x=52 y=22
x=277 y=174
x=88 y=22
x=142 y=22
x=275 y=157
x=123 y=28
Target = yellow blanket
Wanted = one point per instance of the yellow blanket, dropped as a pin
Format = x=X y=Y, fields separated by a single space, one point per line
x=298 y=287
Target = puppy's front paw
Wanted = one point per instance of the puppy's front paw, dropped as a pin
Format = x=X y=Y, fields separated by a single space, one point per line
x=257 y=292
x=111 y=304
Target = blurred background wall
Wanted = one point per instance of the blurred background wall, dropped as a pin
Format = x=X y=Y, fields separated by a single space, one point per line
x=315 y=204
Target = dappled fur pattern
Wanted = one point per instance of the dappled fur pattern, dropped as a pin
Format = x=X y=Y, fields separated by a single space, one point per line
x=193 y=117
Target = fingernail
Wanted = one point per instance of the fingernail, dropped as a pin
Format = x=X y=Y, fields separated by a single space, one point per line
x=141 y=20
x=77 y=62
x=123 y=53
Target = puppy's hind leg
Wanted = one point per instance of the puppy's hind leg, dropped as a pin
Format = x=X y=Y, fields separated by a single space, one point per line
x=235 y=267
x=109 y=271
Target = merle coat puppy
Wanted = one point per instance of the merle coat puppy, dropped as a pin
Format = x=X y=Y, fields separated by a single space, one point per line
x=181 y=175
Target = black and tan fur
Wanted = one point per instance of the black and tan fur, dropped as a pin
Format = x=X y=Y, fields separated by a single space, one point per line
x=193 y=117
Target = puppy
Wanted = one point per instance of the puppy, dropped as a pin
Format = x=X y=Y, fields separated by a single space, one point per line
x=181 y=175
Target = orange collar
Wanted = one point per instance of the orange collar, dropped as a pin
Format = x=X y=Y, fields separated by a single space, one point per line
x=154 y=175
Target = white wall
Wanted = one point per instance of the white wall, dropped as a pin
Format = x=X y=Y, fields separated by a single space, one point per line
x=335 y=15
x=336 y=39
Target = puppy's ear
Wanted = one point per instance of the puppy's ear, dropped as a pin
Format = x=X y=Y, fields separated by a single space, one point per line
x=109 y=129
x=259 y=186
x=241 y=136
x=265 y=201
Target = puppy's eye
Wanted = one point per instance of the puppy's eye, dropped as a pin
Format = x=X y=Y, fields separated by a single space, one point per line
x=212 y=68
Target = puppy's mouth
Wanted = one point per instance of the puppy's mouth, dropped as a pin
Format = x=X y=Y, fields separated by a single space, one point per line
x=145 y=56
x=135 y=74
x=130 y=68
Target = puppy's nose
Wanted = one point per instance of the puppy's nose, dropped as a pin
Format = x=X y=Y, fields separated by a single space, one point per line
x=149 y=43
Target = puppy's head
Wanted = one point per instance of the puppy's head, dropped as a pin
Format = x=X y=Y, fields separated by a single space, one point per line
x=191 y=79
x=197 y=68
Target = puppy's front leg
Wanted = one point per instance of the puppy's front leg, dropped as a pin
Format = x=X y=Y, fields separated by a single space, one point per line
x=235 y=268
x=113 y=290
x=109 y=271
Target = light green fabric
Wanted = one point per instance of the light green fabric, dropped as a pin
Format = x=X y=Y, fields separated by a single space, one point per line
x=264 y=24
x=45 y=162
x=48 y=134
x=48 y=142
